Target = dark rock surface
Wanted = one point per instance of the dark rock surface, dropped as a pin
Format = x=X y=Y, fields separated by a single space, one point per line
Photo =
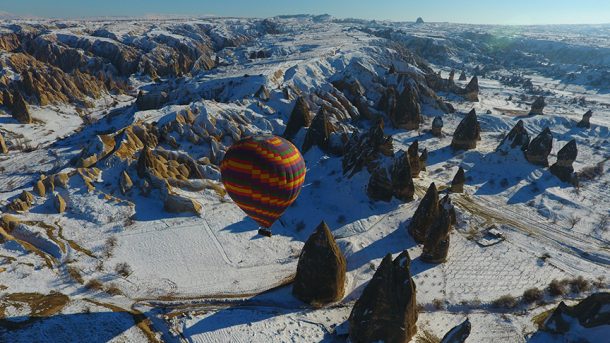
x=425 y=216
x=467 y=133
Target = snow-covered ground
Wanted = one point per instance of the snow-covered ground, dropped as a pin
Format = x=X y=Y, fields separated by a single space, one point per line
x=211 y=278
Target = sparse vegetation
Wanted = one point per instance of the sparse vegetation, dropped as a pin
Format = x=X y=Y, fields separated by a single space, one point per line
x=505 y=301
x=75 y=274
x=123 y=269
x=556 y=288
x=545 y=257
x=532 y=295
x=573 y=221
x=109 y=246
x=579 y=284
x=438 y=304
x=94 y=284
x=591 y=172
x=113 y=289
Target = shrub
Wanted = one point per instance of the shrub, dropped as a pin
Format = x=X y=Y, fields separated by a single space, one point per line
x=123 y=269
x=506 y=301
x=532 y=295
x=75 y=274
x=109 y=246
x=94 y=284
x=112 y=289
x=438 y=304
x=579 y=285
x=556 y=288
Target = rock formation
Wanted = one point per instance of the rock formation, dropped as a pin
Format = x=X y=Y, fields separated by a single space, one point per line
x=539 y=148
x=151 y=100
x=402 y=181
x=423 y=159
x=451 y=76
x=19 y=109
x=263 y=93
x=419 y=20
x=467 y=133
x=319 y=132
x=387 y=308
x=321 y=269
x=3 y=147
x=299 y=118
x=60 y=203
x=178 y=204
x=472 y=90
x=125 y=182
x=425 y=216
x=413 y=153
x=591 y=312
x=457 y=184
x=458 y=334
x=517 y=137
x=462 y=76
x=563 y=168
x=436 y=244
x=584 y=123
x=446 y=204
x=437 y=126
x=364 y=150
x=408 y=112
x=538 y=106
x=380 y=186
x=40 y=188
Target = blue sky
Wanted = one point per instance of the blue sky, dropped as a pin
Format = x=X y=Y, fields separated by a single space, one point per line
x=461 y=11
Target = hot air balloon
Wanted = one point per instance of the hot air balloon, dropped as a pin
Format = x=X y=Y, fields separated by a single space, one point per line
x=263 y=175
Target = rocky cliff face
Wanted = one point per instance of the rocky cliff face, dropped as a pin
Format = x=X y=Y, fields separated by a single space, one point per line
x=387 y=309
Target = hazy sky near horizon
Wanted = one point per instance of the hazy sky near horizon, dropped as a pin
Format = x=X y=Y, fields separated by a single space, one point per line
x=519 y=12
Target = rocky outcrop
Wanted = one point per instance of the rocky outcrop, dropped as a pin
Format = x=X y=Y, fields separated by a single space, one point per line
x=364 y=150
x=402 y=181
x=539 y=148
x=592 y=312
x=379 y=186
x=320 y=277
x=458 y=334
x=517 y=137
x=462 y=76
x=125 y=182
x=263 y=93
x=451 y=76
x=446 y=204
x=472 y=90
x=60 y=203
x=584 y=122
x=467 y=133
x=563 y=168
x=19 y=108
x=457 y=184
x=178 y=204
x=423 y=160
x=425 y=216
x=40 y=188
x=3 y=147
x=538 y=106
x=319 y=132
x=151 y=100
x=419 y=20
x=18 y=206
x=437 y=126
x=413 y=153
x=299 y=118
x=436 y=244
x=408 y=112
x=387 y=309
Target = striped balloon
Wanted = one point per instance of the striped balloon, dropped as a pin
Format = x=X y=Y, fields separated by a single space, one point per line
x=263 y=175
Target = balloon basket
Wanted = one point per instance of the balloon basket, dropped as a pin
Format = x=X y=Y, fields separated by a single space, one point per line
x=264 y=232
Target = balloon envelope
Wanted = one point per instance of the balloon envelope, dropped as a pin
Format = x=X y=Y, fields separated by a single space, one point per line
x=263 y=175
